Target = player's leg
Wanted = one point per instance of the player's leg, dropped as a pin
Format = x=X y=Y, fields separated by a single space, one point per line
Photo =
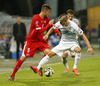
x=77 y=58
x=65 y=62
x=46 y=51
x=54 y=51
x=27 y=51
x=43 y=61
x=48 y=56
x=17 y=66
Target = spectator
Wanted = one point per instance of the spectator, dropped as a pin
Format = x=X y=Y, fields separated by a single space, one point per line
x=6 y=44
x=19 y=32
x=2 y=49
x=54 y=40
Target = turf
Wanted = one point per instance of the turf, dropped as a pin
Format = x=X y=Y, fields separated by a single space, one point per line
x=89 y=76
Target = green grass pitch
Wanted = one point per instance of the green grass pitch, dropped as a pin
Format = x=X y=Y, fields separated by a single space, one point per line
x=89 y=76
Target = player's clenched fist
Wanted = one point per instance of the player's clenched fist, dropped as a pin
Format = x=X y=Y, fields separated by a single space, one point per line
x=51 y=21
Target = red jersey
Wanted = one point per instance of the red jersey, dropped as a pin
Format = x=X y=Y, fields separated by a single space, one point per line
x=38 y=26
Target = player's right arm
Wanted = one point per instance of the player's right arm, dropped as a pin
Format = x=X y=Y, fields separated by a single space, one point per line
x=46 y=27
x=36 y=23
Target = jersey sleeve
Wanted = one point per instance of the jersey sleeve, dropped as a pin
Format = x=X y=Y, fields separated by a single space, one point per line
x=57 y=25
x=77 y=29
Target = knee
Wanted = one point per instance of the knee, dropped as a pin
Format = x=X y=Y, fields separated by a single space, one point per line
x=46 y=51
x=51 y=54
x=23 y=58
x=78 y=50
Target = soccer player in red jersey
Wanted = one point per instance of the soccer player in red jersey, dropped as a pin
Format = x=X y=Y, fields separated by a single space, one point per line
x=34 y=41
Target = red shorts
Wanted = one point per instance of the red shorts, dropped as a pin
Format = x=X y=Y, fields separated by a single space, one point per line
x=31 y=47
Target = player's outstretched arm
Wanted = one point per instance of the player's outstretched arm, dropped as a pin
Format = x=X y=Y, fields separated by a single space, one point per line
x=88 y=44
x=41 y=30
x=48 y=33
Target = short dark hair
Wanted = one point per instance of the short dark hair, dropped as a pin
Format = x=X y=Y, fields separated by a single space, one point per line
x=45 y=7
x=70 y=11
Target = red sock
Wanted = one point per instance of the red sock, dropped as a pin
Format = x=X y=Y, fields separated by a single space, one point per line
x=17 y=66
x=44 y=56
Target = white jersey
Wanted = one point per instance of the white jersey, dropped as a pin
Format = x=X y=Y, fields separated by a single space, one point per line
x=69 y=32
x=75 y=21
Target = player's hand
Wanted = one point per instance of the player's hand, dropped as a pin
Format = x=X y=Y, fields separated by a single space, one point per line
x=90 y=50
x=51 y=21
x=45 y=37
x=58 y=35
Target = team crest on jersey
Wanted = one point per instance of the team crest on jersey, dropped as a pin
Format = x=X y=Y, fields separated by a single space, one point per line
x=37 y=22
x=81 y=31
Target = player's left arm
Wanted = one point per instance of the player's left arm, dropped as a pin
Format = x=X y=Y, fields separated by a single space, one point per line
x=79 y=27
x=88 y=44
x=80 y=32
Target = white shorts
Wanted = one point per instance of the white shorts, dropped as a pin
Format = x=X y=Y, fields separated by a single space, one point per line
x=63 y=46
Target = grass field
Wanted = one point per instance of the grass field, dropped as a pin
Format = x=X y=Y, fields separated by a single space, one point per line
x=89 y=75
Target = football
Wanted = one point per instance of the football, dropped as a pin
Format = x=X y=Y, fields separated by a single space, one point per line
x=48 y=72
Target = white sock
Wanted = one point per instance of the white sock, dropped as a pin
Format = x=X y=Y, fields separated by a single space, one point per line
x=77 y=58
x=43 y=61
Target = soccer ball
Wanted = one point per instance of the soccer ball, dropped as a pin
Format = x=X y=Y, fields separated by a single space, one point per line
x=48 y=72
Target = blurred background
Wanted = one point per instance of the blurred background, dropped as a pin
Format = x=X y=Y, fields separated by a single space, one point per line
x=86 y=11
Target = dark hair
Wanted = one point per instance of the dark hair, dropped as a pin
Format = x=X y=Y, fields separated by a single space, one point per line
x=70 y=11
x=45 y=7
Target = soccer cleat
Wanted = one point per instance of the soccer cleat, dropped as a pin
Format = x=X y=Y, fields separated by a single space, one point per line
x=11 y=78
x=34 y=68
x=66 y=70
x=76 y=71
x=40 y=72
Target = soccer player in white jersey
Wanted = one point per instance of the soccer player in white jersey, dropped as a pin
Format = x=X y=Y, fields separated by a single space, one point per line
x=68 y=40
x=70 y=15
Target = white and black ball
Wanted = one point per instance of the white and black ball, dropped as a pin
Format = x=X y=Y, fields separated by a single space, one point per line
x=48 y=72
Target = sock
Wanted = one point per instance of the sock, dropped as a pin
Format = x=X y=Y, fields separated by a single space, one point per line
x=77 y=58
x=44 y=56
x=65 y=62
x=68 y=52
x=43 y=61
x=17 y=66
